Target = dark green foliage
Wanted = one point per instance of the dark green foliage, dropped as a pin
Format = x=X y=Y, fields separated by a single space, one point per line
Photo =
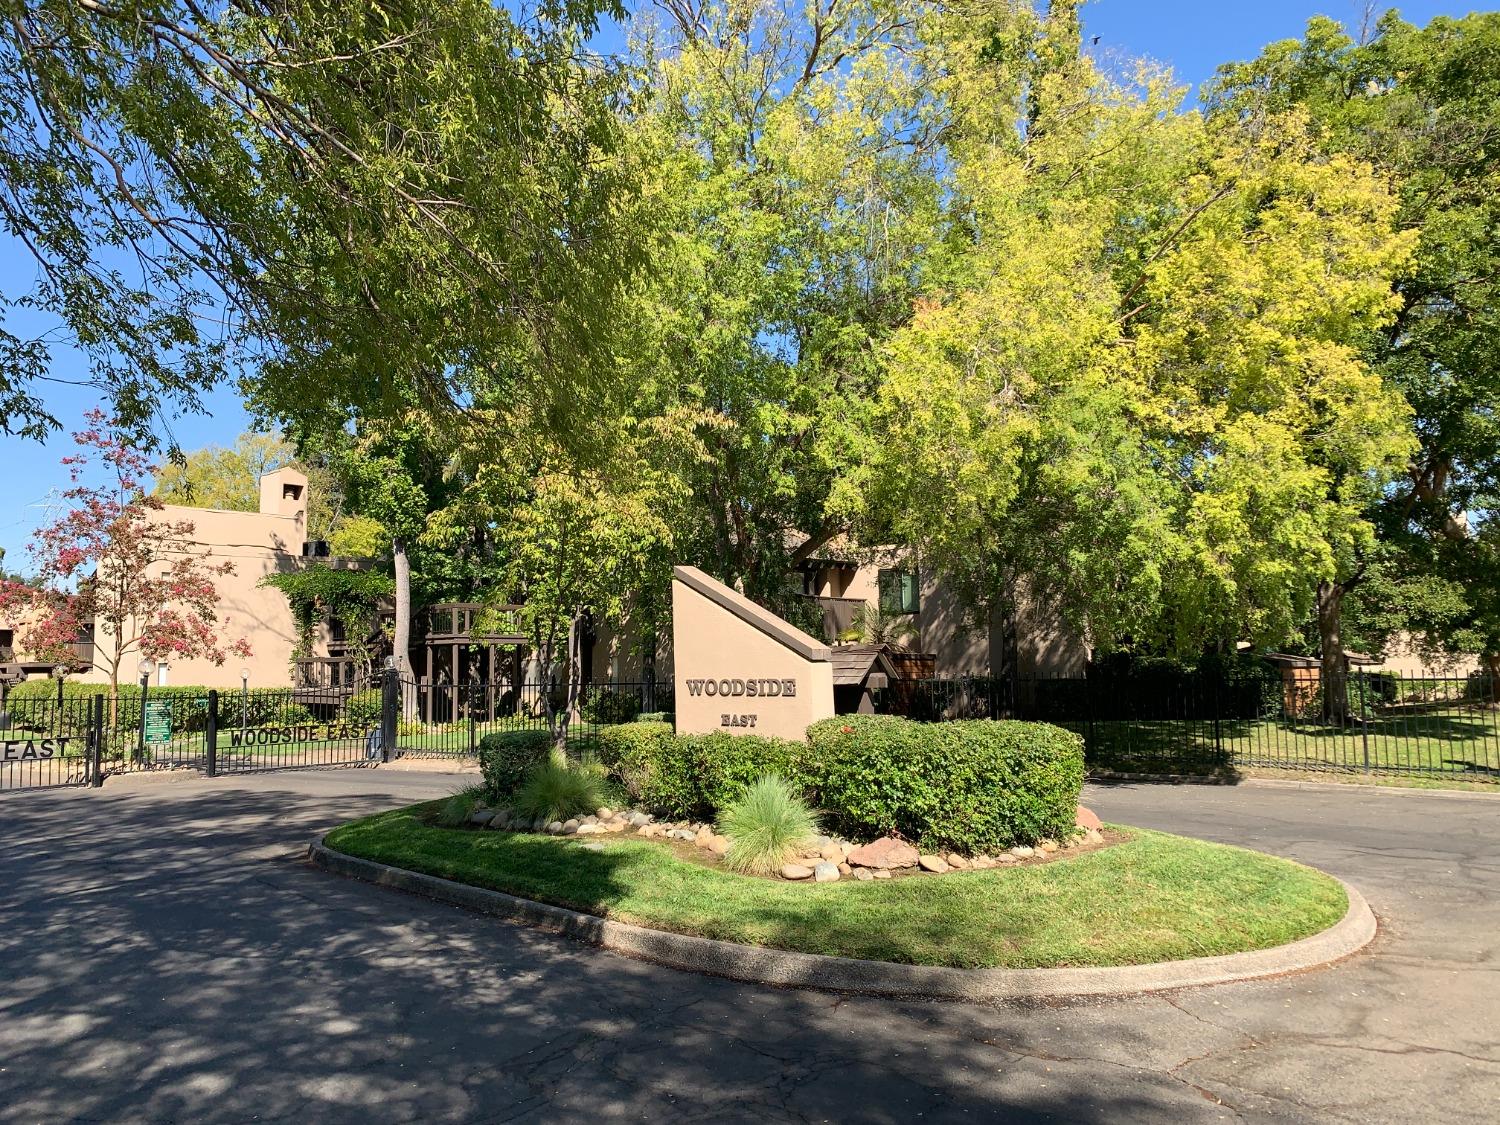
x=696 y=775
x=972 y=786
x=363 y=708
x=557 y=792
x=506 y=757
x=257 y=708
x=605 y=707
x=651 y=764
x=728 y=764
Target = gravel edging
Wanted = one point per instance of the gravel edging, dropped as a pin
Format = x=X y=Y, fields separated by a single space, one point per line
x=758 y=965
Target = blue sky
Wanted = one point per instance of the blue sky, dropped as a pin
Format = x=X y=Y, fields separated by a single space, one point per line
x=1192 y=36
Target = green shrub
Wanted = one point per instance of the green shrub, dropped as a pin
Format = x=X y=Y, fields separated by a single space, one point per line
x=604 y=707
x=728 y=764
x=767 y=825
x=695 y=775
x=506 y=757
x=972 y=786
x=557 y=792
x=454 y=812
x=654 y=717
x=363 y=708
x=651 y=765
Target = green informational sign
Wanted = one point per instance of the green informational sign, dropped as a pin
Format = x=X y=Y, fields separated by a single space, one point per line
x=159 y=721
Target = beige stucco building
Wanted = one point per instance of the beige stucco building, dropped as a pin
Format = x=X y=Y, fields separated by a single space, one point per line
x=268 y=541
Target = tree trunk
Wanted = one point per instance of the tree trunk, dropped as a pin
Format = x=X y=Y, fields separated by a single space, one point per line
x=1335 y=670
x=401 y=642
x=1490 y=662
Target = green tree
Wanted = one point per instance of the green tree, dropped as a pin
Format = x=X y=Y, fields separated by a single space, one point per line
x=216 y=477
x=1423 y=106
x=794 y=157
x=1137 y=394
x=360 y=201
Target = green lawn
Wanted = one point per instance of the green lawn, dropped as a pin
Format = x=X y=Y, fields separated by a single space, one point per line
x=1456 y=741
x=1152 y=897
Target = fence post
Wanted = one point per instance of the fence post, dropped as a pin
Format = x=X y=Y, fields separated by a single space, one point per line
x=468 y=698
x=212 y=732
x=1364 y=725
x=140 y=740
x=1218 y=734
x=96 y=751
x=390 y=703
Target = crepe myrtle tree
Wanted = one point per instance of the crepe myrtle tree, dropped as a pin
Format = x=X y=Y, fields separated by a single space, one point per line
x=112 y=560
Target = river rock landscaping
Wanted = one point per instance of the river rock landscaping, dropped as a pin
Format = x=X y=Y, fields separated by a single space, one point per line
x=827 y=861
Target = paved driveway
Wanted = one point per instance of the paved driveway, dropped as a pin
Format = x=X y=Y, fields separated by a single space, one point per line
x=164 y=957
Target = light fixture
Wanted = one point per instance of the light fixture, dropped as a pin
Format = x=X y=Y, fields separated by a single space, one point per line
x=60 y=671
x=147 y=667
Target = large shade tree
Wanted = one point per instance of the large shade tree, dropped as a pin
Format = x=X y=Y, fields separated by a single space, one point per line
x=361 y=200
x=1423 y=106
x=1137 y=393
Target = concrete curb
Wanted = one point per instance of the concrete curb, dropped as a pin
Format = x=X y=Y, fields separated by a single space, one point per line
x=876 y=978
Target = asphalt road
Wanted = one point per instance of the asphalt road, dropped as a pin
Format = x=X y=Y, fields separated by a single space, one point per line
x=164 y=956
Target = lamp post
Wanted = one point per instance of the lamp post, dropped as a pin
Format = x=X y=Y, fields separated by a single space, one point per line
x=145 y=670
x=244 y=698
x=61 y=672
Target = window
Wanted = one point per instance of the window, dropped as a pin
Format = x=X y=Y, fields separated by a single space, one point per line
x=900 y=592
x=161 y=674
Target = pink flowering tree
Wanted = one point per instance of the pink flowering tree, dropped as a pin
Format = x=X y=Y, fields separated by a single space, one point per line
x=114 y=561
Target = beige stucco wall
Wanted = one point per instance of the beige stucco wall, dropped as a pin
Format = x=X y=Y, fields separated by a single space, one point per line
x=1404 y=657
x=738 y=649
x=257 y=544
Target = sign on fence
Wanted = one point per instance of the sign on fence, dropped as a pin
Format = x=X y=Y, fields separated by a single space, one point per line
x=159 y=721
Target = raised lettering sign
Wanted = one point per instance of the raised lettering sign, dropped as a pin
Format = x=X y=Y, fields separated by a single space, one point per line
x=32 y=750
x=735 y=688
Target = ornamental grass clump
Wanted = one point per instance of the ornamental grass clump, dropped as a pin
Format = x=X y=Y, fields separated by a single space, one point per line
x=454 y=812
x=553 y=791
x=768 y=825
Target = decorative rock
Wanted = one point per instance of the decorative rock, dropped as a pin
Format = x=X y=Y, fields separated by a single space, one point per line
x=555 y=828
x=604 y=813
x=481 y=816
x=832 y=853
x=957 y=862
x=1087 y=819
x=591 y=819
x=844 y=868
x=719 y=845
x=826 y=873
x=880 y=873
x=539 y=824
x=615 y=826
x=1021 y=851
x=589 y=829
x=1047 y=846
x=795 y=871
x=640 y=819
x=1004 y=859
x=865 y=875
x=884 y=854
x=500 y=820
x=983 y=862
x=1094 y=836
x=934 y=863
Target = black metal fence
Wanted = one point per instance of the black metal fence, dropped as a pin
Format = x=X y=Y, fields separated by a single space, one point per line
x=447 y=720
x=50 y=743
x=1270 y=718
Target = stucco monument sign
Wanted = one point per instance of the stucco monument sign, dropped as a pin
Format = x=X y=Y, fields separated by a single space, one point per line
x=741 y=669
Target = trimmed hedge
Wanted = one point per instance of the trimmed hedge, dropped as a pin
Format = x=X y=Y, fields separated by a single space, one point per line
x=363 y=708
x=695 y=775
x=32 y=703
x=505 y=758
x=975 y=786
x=970 y=787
